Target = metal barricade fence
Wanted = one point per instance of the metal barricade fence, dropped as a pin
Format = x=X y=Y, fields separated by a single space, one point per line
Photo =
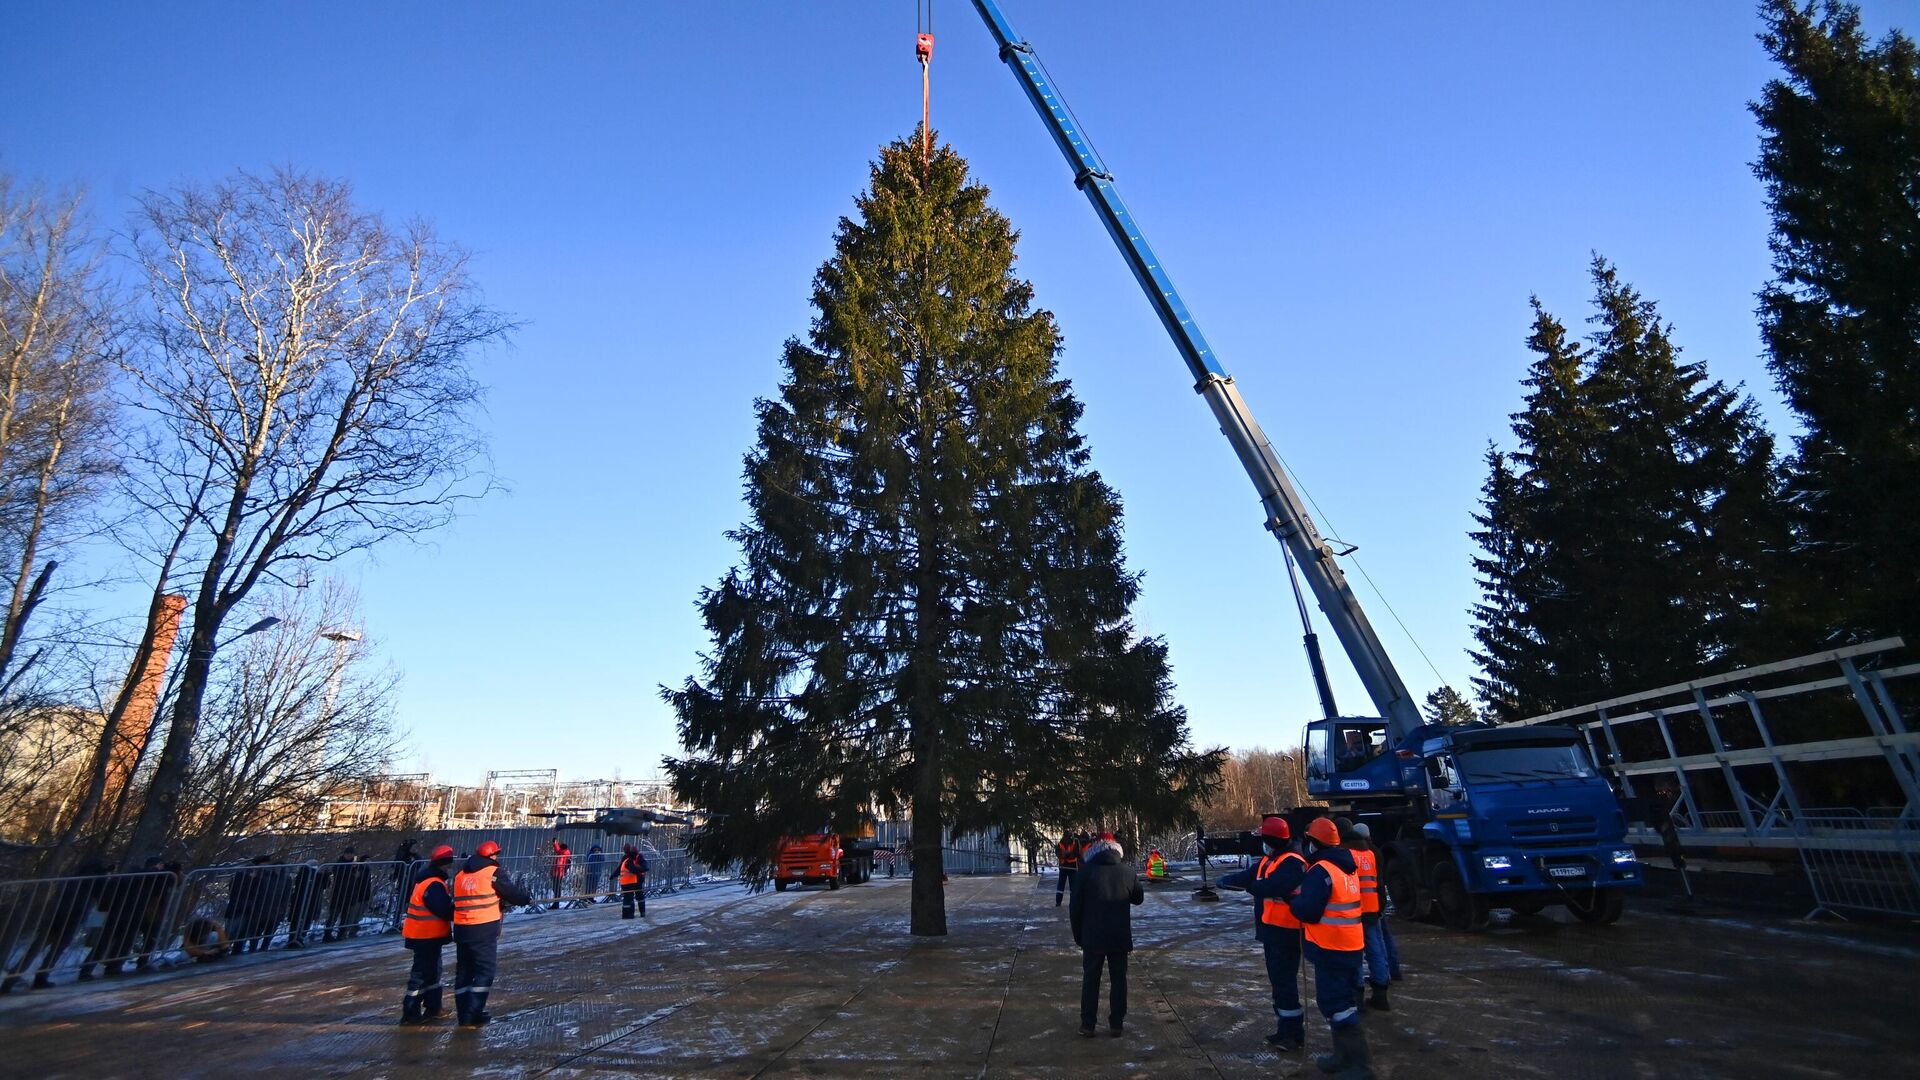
x=1861 y=864
x=87 y=922
x=255 y=907
x=582 y=884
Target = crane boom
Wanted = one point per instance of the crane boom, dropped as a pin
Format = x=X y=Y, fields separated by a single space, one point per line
x=1286 y=515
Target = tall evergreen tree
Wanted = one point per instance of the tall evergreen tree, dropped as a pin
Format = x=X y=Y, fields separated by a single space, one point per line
x=1840 y=157
x=1627 y=541
x=931 y=611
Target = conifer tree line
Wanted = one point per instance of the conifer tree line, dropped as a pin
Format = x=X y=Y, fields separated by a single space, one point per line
x=1645 y=528
x=931 y=612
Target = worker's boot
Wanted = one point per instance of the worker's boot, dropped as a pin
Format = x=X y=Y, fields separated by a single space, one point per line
x=1378 y=1000
x=477 y=1009
x=1352 y=1041
x=1335 y=1063
x=1290 y=1034
x=410 y=1010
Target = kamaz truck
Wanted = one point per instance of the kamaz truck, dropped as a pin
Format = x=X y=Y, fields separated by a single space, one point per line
x=1473 y=817
x=1468 y=817
x=825 y=858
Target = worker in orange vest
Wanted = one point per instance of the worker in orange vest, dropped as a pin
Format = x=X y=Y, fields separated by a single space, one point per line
x=633 y=881
x=1068 y=851
x=1328 y=907
x=1382 y=954
x=427 y=928
x=1275 y=877
x=1156 y=866
x=478 y=893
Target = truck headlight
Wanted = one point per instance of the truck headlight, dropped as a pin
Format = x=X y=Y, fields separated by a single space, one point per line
x=1497 y=862
x=1624 y=855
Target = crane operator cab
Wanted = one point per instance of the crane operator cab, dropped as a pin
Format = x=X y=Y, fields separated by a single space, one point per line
x=1349 y=756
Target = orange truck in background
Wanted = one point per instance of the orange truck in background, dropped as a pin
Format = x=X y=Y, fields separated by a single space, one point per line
x=825 y=858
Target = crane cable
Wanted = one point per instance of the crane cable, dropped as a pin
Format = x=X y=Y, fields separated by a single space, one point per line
x=923 y=51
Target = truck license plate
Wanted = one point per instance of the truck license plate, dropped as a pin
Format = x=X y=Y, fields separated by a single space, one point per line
x=1567 y=871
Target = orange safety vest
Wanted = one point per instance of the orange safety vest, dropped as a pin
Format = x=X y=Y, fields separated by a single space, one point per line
x=1368 y=864
x=1339 y=927
x=474 y=901
x=629 y=874
x=421 y=923
x=1276 y=912
x=561 y=860
x=1156 y=865
x=1069 y=855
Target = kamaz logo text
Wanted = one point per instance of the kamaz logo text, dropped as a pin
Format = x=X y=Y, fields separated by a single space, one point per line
x=1553 y=810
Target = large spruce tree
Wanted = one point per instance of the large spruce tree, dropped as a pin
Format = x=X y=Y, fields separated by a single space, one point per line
x=931 y=612
x=1627 y=541
x=1840 y=157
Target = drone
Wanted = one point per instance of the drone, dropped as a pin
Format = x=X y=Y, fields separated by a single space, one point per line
x=616 y=820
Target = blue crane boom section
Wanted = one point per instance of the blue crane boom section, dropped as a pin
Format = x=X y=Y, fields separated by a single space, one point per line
x=1286 y=514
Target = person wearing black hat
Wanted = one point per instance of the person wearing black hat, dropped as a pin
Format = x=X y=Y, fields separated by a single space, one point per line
x=425 y=932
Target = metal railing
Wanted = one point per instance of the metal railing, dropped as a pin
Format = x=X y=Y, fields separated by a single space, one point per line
x=1864 y=871
x=582 y=885
x=87 y=922
x=101 y=922
x=257 y=907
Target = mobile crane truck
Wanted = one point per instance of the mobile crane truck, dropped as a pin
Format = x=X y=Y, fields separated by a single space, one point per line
x=1467 y=818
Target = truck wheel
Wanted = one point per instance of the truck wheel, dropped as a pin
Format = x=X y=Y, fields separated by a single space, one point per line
x=780 y=885
x=1461 y=909
x=1403 y=888
x=833 y=882
x=1601 y=907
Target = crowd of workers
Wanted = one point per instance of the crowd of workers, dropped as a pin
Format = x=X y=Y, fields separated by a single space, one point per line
x=266 y=899
x=465 y=908
x=1319 y=899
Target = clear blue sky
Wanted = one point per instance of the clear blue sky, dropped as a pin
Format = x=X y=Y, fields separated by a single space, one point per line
x=1356 y=204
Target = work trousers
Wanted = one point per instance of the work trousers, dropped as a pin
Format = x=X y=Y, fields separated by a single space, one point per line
x=1336 y=983
x=1283 y=975
x=423 y=981
x=632 y=894
x=473 y=968
x=1065 y=883
x=1116 y=965
x=1383 y=954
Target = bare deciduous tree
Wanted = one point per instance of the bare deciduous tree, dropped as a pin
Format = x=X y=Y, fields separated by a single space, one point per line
x=294 y=720
x=308 y=369
x=1255 y=782
x=56 y=338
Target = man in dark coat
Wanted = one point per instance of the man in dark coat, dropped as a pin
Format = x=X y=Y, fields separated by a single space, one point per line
x=125 y=904
x=1101 y=912
x=309 y=886
x=68 y=906
x=339 y=895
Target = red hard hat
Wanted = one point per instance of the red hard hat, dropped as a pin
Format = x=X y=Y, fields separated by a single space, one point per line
x=1325 y=831
x=1276 y=827
x=487 y=850
x=444 y=851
